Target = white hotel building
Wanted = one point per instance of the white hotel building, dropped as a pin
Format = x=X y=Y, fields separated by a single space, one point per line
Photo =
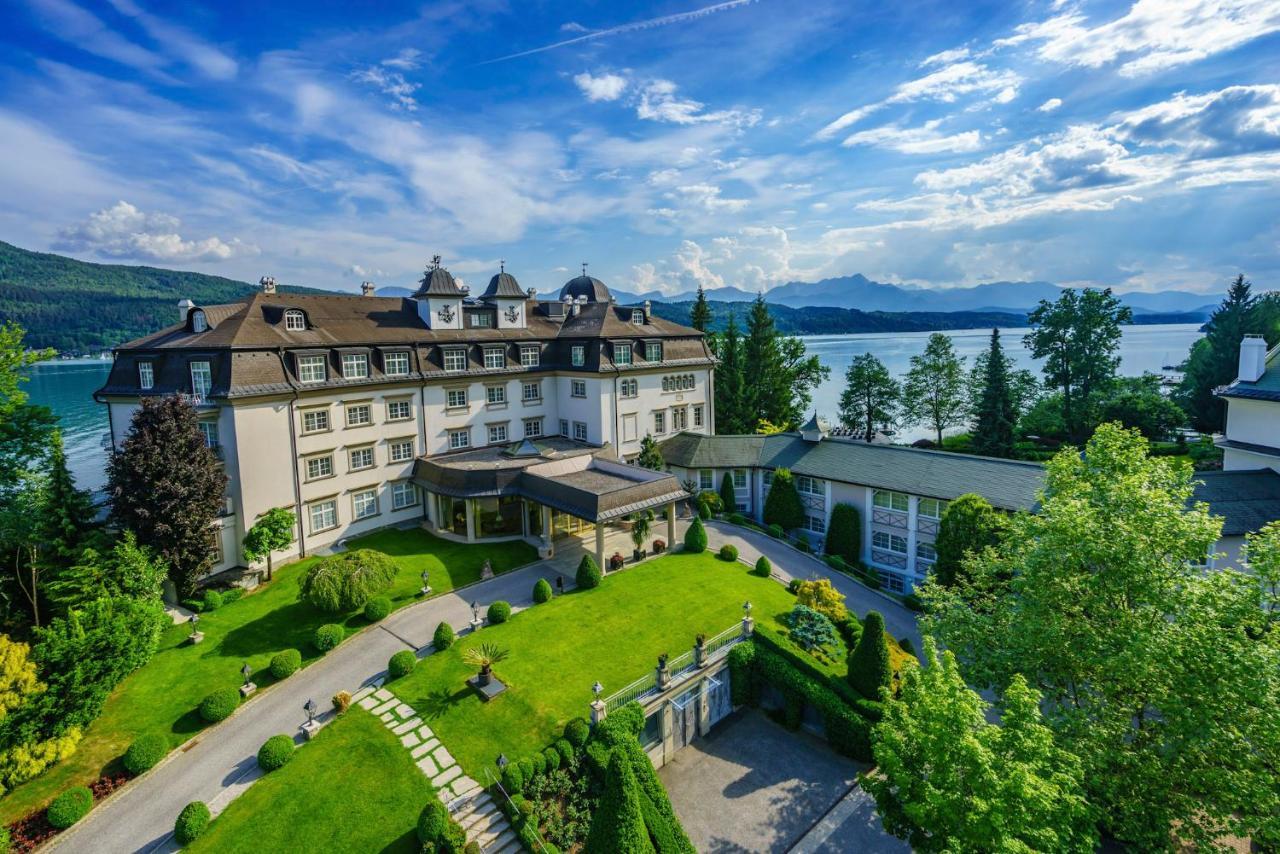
x=492 y=417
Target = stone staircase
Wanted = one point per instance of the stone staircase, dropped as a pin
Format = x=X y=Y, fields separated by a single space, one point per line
x=486 y=825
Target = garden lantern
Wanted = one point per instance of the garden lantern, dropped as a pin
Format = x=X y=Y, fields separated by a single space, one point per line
x=503 y=761
x=597 y=689
x=746 y=608
x=310 y=708
x=426 y=582
x=195 y=618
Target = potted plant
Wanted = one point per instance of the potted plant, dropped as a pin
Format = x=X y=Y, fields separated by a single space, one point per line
x=484 y=656
x=640 y=524
x=659 y=546
x=617 y=561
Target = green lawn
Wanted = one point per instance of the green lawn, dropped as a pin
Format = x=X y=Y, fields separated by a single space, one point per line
x=162 y=696
x=613 y=634
x=353 y=788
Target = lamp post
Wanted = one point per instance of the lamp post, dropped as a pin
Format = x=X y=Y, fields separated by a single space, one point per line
x=748 y=624
x=196 y=635
x=475 y=616
x=246 y=671
x=426 y=582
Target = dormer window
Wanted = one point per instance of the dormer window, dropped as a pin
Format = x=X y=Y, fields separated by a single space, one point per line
x=311 y=369
x=295 y=321
x=637 y=316
x=146 y=375
x=653 y=351
x=355 y=366
x=198 y=321
x=622 y=354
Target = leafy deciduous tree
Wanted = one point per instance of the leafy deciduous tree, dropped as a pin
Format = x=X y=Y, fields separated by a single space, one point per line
x=948 y=780
x=968 y=525
x=346 y=581
x=870 y=399
x=933 y=392
x=273 y=531
x=127 y=570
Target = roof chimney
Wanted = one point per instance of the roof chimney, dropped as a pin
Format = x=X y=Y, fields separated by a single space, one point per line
x=184 y=306
x=647 y=306
x=1253 y=358
x=532 y=292
x=366 y=289
x=268 y=284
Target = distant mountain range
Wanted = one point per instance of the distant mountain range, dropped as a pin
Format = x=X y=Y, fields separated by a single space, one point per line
x=81 y=307
x=859 y=292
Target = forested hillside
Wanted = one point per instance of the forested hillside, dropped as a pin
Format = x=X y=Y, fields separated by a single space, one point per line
x=78 y=307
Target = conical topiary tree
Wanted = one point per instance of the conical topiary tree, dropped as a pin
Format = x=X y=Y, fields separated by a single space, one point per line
x=618 y=825
x=588 y=573
x=695 y=537
x=869 y=669
x=728 y=496
x=782 y=505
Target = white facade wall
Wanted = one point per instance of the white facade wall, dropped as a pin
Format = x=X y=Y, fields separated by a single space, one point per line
x=1252 y=421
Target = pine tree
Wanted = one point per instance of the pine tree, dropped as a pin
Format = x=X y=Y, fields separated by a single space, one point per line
x=762 y=357
x=933 y=391
x=68 y=512
x=869 y=668
x=650 y=455
x=870 y=399
x=166 y=486
x=731 y=417
x=700 y=314
x=994 y=414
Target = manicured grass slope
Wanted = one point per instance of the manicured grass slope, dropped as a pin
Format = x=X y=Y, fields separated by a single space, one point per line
x=163 y=695
x=613 y=633
x=352 y=788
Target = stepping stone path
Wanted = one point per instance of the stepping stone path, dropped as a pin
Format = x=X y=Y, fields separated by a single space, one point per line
x=475 y=810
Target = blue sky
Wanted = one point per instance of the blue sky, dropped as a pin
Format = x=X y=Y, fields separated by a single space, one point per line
x=668 y=144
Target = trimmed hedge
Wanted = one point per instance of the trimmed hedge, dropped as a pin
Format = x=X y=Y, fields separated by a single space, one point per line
x=402 y=664
x=377 y=609
x=513 y=778
x=588 y=575
x=69 y=807
x=576 y=732
x=736 y=518
x=212 y=600
x=763 y=567
x=728 y=552
x=443 y=637
x=499 y=612
x=275 y=752
x=219 y=705
x=328 y=636
x=695 y=537
x=566 y=750
x=542 y=591
x=145 y=752
x=192 y=822
x=776 y=532
x=285 y=663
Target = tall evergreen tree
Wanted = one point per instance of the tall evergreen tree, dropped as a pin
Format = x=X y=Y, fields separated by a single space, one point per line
x=700 y=314
x=68 y=514
x=166 y=486
x=1078 y=336
x=1215 y=358
x=933 y=390
x=731 y=414
x=994 y=413
x=762 y=357
x=870 y=398
x=801 y=374
x=650 y=456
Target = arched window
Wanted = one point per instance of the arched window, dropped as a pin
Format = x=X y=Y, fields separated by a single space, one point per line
x=295 y=321
x=198 y=322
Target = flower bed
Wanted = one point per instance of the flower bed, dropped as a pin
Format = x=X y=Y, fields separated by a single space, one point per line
x=30 y=833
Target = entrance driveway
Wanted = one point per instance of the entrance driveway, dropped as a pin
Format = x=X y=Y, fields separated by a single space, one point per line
x=752 y=785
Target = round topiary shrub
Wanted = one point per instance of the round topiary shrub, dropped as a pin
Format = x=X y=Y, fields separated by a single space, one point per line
x=552 y=759
x=763 y=567
x=538 y=762
x=576 y=732
x=443 y=638
x=377 y=609
x=704 y=510
x=192 y=822
x=285 y=663
x=728 y=552
x=794 y=585
x=499 y=612
x=69 y=807
x=588 y=575
x=219 y=705
x=432 y=821
x=275 y=752
x=695 y=537
x=565 y=749
x=512 y=778
x=212 y=600
x=328 y=636
x=542 y=591
x=402 y=664
x=526 y=770
x=145 y=752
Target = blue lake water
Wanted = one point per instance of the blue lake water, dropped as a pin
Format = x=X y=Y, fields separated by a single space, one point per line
x=67 y=386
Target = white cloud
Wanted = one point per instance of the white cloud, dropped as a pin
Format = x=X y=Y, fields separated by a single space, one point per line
x=390 y=83
x=406 y=60
x=1050 y=105
x=1234 y=120
x=1152 y=35
x=606 y=87
x=946 y=85
x=925 y=139
x=123 y=231
x=707 y=196
x=181 y=44
x=659 y=102
x=945 y=57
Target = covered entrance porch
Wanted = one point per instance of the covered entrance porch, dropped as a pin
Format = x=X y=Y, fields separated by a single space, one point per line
x=554 y=493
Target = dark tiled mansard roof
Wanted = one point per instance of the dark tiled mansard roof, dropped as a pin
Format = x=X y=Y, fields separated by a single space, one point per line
x=249 y=345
